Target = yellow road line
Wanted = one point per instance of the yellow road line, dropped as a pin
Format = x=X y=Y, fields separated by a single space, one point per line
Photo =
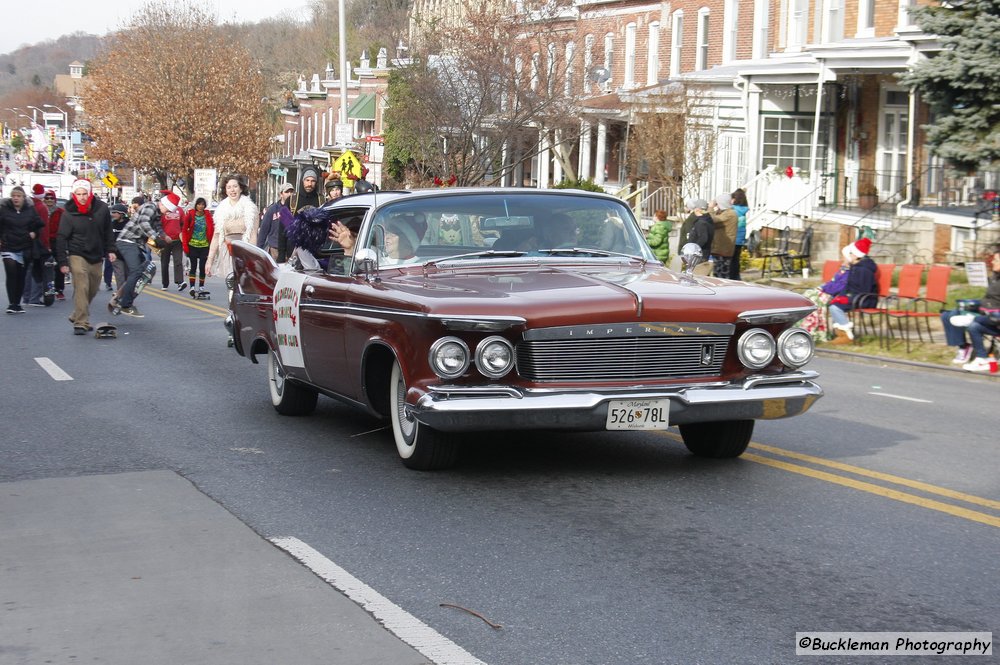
x=930 y=504
x=193 y=303
x=871 y=488
x=897 y=480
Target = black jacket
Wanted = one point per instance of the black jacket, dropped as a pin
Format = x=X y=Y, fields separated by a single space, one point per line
x=702 y=232
x=87 y=235
x=15 y=225
x=861 y=279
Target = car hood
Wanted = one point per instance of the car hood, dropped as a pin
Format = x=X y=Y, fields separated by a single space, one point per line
x=542 y=294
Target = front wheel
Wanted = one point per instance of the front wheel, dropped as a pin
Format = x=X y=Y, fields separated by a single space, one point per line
x=287 y=398
x=419 y=446
x=719 y=440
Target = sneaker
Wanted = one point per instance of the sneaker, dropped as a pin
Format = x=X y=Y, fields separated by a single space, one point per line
x=12 y=309
x=60 y=296
x=962 y=355
x=37 y=304
x=108 y=287
x=977 y=365
x=181 y=286
x=132 y=311
x=164 y=287
x=18 y=309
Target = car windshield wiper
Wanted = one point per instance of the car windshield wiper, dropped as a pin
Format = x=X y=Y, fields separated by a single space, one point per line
x=485 y=254
x=591 y=252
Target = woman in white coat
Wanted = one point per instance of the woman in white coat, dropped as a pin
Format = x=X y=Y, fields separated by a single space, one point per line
x=236 y=218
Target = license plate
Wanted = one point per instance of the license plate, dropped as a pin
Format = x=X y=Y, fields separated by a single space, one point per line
x=638 y=414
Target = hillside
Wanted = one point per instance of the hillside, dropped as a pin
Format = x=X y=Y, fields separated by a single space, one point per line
x=37 y=65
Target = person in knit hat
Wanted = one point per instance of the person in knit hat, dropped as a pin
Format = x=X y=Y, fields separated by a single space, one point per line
x=853 y=287
x=698 y=228
x=83 y=241
x=724 y=240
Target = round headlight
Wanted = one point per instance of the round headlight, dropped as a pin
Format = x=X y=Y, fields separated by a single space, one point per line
x=494 y=357
x=449 y=357
x=756 y=348
x=795 y=347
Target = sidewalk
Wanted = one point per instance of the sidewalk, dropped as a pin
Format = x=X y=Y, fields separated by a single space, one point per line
x=143 y=568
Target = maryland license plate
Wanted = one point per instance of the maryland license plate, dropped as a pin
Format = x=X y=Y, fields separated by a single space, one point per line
x=638 y=414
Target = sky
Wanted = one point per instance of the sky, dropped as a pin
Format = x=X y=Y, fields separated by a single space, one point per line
x=60 y=17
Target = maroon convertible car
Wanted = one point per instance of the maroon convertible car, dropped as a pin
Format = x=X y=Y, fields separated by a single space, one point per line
x=464 y=310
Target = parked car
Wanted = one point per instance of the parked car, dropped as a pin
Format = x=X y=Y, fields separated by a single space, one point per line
x=517 y=309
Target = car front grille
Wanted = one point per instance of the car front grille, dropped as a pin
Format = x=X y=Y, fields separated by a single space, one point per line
x=642 y=357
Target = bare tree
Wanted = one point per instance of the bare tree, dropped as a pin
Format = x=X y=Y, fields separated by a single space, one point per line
x=672 y=141
x=172 y=94
x=482 y=77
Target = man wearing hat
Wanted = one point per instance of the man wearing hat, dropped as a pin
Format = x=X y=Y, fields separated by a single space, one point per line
x=144 y=224
x=83 y=242
x=308 y=194
x=273 y=223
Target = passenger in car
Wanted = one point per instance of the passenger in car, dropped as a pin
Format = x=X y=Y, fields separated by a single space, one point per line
x=519 y=240
x=561 y=232
x=401 y=240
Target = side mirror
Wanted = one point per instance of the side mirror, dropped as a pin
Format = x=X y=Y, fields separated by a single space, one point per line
x=690 y=256
x=366 y=262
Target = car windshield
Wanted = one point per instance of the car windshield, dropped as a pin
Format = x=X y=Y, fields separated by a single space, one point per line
x=474 y=226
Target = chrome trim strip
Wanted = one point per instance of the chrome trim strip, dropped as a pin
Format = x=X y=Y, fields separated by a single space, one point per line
x=253 y=299
x=783 y=315
x=628 y=330
x=772 y=379
x=450 y=321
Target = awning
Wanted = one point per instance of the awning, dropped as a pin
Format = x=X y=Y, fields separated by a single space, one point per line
x=363 y=107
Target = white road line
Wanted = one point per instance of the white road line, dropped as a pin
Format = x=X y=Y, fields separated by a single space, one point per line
x=908 y=399
x=53 y=369
x=398 y=621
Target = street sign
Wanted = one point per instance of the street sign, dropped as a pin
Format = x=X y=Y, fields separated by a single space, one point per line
x=348 y=165
x=343 y=133
x=110 y=180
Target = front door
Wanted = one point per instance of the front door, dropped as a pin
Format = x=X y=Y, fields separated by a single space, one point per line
x=893 y=130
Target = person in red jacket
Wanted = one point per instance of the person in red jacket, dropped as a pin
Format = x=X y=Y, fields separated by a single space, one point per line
x=34 y=282
x=172 y=222
x=55 y=214
x=196 y=237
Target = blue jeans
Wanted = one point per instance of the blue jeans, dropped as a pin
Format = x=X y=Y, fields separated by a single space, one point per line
x=981 y=325
x=134 y=260
x=838 y=315
x=953 y=335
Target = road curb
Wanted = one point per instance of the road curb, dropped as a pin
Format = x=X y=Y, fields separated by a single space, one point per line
x=908 y=364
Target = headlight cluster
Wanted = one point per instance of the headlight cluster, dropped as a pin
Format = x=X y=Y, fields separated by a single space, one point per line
x=450 y=357
x=757 y=348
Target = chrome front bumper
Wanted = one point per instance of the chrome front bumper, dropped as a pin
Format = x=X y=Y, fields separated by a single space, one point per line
x=464 y=409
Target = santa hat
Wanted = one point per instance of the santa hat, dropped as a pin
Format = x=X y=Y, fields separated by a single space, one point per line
x=37 y=189
x=81 y=183
x=170 y=201
x=858 y=249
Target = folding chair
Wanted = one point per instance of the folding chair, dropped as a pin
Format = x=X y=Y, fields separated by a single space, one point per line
x=883 y=282
x=779 y=252
x=899 y=305
x=935 y=292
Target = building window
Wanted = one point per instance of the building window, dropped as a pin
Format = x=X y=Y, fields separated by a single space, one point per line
x=761 y=16
x=730 y=30
x=570 y=68
x=588 y=61
x=535 y=63
x=630 y=55
x=787 y=141
x=798 y=25
x=676 y=41
x=866 y=18
x=609 y=51
x=701 y=48
x=550 y=69
x=653 y=54
x=833 y=21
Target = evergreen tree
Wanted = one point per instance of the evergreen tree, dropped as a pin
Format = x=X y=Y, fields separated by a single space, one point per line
x=961 y=82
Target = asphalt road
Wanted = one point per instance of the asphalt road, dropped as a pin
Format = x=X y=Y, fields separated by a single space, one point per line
x=877 y=511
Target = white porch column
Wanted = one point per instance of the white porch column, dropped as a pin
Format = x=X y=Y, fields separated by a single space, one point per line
x=544 y=147
x=517 y=173
x=504 y=180
x=583 y=167
x=602 y=149
x=557 y=168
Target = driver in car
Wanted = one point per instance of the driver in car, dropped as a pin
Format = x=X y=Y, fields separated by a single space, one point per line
x=560 y=232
